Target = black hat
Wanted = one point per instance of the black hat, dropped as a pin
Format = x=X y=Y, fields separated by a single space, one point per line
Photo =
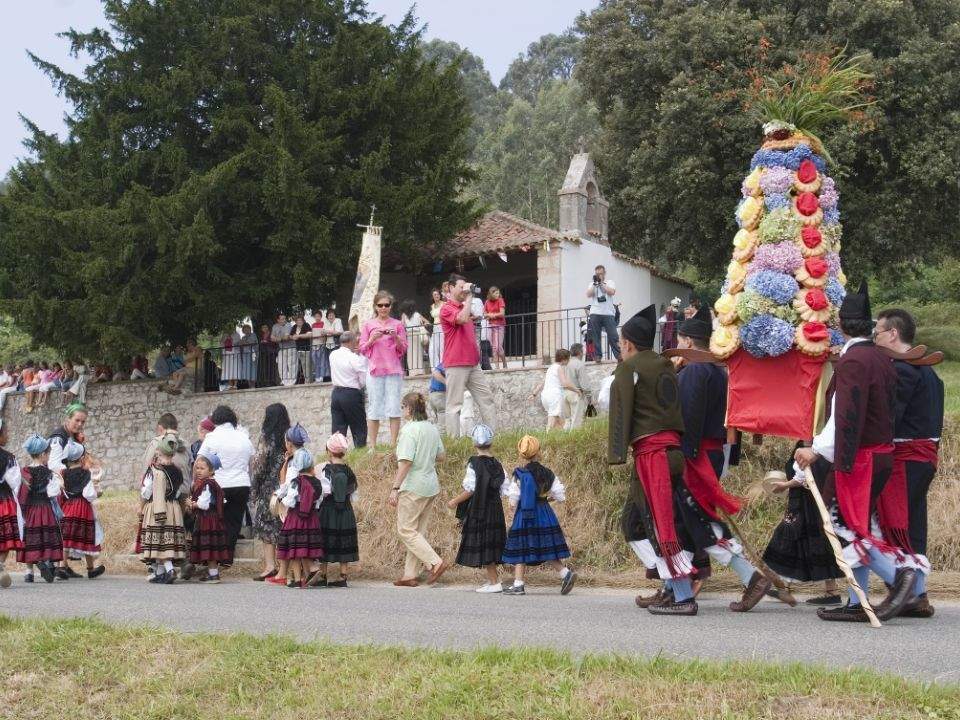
x=699 y=326
x=641 y=329
x=856 y=306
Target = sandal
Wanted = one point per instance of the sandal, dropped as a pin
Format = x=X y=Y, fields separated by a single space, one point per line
x=265 y=576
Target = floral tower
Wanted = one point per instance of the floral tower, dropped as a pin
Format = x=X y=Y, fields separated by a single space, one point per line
x=779 y=303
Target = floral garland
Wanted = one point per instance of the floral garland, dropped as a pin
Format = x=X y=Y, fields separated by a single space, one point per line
x=766 y=336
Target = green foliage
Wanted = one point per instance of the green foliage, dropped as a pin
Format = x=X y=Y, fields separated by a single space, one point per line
x=945 y=338
x=220 y=154
x=675 y=82
x=17 y=346
x=552 y=57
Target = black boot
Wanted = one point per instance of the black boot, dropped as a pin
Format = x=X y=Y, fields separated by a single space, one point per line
x=899 y=595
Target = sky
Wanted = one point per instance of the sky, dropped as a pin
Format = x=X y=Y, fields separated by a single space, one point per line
x=496 y=30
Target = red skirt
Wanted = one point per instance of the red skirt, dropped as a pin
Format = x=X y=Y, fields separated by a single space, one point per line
x=41 y=535
x=300 y=537
x=79 y=526
x=9 y=529
x=209 y=541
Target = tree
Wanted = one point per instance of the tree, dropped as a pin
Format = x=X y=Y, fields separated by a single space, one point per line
x=675 y=81
x=552 y=57
x=220 y=154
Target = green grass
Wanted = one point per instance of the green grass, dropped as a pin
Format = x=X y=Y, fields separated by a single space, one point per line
x=949 y=372
x=85 y=669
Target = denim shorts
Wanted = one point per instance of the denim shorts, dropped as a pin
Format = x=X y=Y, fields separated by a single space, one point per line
x=383 y=396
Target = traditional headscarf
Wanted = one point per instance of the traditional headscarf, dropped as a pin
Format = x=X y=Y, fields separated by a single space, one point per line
x=207 y=424
x=482 y=435
x=36 y=445
x=211 y=457
x=301 y=460
x=73 y=451
x=528 y=447
x=337 y=444
x=297 y=435
x=169 y=444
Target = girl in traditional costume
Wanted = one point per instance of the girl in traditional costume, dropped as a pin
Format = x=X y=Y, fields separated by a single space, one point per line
x=42 y=542
x=11 y=518
x=82 y=532
x=484 y=530
x=162 y=535
x=337 y=519
x=209 y=543
x=535 y=536
x=301 y=539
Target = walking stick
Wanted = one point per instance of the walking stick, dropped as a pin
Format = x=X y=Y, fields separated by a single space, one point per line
x=835 y=545
x=783 y=591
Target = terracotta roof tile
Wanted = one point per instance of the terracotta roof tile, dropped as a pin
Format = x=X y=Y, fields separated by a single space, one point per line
x=498 y=231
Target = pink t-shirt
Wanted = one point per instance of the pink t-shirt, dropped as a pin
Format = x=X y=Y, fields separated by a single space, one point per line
x=495 y=306
x=460 y=347
x=384 y=353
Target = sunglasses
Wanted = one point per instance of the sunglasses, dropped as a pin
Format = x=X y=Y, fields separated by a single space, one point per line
x=384 y=304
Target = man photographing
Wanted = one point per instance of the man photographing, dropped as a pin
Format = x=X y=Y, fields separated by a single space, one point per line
x=461 y=356
x=602 y=313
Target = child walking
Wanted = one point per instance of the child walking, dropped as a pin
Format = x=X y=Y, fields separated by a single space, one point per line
x=300 y=540
x=82 y=532
x=484 y=530
x=11 y=519
x=162 y=536
x=338 y=522
x=209 y=543
x=535 y=536
x=293 y=439
x=42 y=542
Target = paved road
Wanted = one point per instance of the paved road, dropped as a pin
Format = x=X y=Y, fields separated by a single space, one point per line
x=585 y=621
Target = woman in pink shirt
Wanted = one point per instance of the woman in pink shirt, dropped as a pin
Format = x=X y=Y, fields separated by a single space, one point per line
x=383 y=340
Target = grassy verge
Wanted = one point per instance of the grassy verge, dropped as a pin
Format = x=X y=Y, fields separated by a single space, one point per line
x=92 y=670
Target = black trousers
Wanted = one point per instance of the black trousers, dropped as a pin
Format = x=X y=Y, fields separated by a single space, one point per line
x=234 y=508
x=919 y=477
x=347 y=411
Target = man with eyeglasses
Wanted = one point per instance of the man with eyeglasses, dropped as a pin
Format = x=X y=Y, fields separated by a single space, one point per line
x=918 y=426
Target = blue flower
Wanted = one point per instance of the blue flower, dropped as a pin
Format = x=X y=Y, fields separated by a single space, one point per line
x=766 y=336
x=768 y=158
x=831 y=216
x=803 y=152
x=836 y=338
x=835 y=292
x=774 y=285
x=774 y=202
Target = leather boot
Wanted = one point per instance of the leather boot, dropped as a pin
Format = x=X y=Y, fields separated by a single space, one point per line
x=898 y=596
x=752 y=594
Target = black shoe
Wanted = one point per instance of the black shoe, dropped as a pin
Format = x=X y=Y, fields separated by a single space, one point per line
x=317 y=579
x=671 y=607
x=28 y=577
x=46 y=571
x=824 y=600
x=96 y=572
x=71 y=572
x=187 y=570
x=342 y=582
x=898 y=596
x=515 y=590
x=168 y=577
x=847 y=613
x=61 y=574
x=156 y=578
x=566 y=585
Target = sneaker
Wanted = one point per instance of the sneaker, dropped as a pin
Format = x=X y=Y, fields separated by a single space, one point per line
x=566 y=585
x=4 y=579
x=488 y=588
x=515 y=590
x=60 y=574
x=825 y=600
x=28 y=577
x=210 y=579
x=96 y=572
x=46 y=571
x=847 y=613
x=672 y=607
x=187 y=570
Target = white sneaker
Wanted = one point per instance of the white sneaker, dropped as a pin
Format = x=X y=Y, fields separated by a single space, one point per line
x=488 y=588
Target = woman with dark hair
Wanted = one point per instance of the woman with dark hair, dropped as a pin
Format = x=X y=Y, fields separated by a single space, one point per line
x=267 y=466
x=232 y=445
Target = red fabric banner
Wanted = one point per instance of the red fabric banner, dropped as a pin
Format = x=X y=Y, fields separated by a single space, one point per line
x=774 y=396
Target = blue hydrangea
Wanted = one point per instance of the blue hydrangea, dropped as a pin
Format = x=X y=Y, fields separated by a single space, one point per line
x=774 y=202
x=802 y=152
x=836 y=338
x=831 y=216
x=835 y=292
x=725 y=288
x=773 y=285
x=767 y=159
x=766 y=336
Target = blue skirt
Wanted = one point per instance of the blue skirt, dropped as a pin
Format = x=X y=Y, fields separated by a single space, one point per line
x=539 y=541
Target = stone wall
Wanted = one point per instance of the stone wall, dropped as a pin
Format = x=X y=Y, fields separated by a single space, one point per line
x=123 y=415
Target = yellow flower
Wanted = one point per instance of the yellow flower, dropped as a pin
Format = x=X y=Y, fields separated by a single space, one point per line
x=842 y=278
x=735 y=272
x=752 y=183
x=743 y=239
x=725 y=304
x=749 y=212
x=725 y=340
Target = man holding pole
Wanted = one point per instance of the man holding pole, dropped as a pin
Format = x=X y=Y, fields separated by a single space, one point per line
x=858 y=439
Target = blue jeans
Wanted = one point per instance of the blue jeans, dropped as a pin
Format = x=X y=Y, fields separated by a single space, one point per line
x=596 y=324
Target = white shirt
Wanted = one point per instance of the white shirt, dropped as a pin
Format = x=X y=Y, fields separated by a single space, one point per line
x=825 y=443
x=603 y=396
x=234 y=448
x=348 y=369
x=602 y=308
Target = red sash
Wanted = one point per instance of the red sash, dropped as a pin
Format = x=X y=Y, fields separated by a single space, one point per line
x=701 y=480
x=892 y=505
x=853 y=494
x=650 y=460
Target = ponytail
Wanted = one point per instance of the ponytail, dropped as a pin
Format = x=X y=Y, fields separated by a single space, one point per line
x=417 y=404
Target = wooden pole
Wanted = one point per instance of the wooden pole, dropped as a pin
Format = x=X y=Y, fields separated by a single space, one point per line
x=783 y=595
x=835 y=545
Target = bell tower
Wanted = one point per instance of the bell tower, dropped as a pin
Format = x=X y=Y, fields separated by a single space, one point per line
x=584 y=212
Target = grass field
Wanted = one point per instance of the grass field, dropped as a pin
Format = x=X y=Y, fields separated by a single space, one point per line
x=83 y=669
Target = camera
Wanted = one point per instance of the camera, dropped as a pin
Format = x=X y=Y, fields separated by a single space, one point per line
x=474 y=289
x=596 y=279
